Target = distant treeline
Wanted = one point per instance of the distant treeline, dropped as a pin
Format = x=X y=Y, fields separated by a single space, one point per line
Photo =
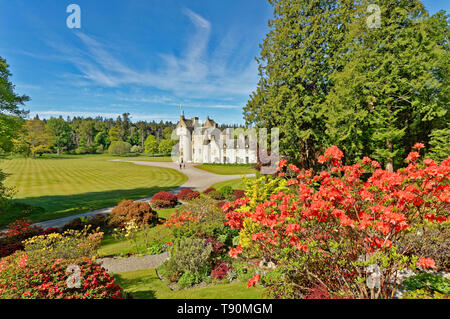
x=78 y=135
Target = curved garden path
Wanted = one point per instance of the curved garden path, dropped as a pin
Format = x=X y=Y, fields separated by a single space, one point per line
x=197 y=180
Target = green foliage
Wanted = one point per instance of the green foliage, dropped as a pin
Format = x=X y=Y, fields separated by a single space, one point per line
x=440 y=144
x=424 y=294
x=155 y=249
x=102 y=139
x=38 y=137
x=165 y=146
x=242 y=270
x=62 y=132
x=151 y=145
x=10 y=126
x=189 y=255
x=9 y=100
x=6 y=193
x=210 y=220
x=226 y=191
x=217 y=195
x=327 y=78
x=119 y=148
x=136 y=149
x=429 y=281
x=260 y=189
x=188 y=279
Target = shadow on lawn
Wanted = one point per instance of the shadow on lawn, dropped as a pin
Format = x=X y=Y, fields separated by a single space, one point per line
x=65 y=205
x=135 y=282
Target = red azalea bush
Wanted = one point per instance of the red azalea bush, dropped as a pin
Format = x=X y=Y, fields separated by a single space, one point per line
x=23 y=277
x=338 y=232
x=188 y=194
x=209 y=190
x=221 y=270
x=18 y=231
x=238 y=193
x=164 y=200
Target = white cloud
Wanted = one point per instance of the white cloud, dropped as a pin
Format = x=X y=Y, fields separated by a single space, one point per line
x=193 y=74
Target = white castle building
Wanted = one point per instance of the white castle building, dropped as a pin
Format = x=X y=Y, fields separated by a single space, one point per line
x=207 y=144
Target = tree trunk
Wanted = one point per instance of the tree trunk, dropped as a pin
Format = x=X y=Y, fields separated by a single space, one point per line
x=390 y=160
x=59 y=151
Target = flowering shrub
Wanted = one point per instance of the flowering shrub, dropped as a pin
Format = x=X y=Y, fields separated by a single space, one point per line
x=199 y=218
x=188 y=194
x=218 y=247
x=178 y=219
x=164 y=200
x=139 y=212
x=18 y=231
x=209 y=190
x=221 y=270
x=335 y=231
x=24 y=277
x=238 y=193
x=68 y=245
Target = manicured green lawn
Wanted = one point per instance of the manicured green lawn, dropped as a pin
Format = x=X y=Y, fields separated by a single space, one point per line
x=143 y=157
x=228 y=169
x=69 y=185
x=234 y=183
x=145 y=284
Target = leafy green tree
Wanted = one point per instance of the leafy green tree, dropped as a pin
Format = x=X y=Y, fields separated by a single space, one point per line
x=151 y=145
x=6 y=193
x=440 y=144
x=10 y=113
x=388 y=94
x=119 y=148
x=165 y=146
x=327 y=77
x=101 y=139
x=296 y=59
x=142 y=129
x=114 y=134
x=87 y=132
x=167 y=132
x=38 y=137
x=10 y=124
x=9 y=100
x=62 y=132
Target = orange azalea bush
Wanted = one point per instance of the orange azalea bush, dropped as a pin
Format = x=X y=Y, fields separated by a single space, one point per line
x=180 y=218
x=334 y=231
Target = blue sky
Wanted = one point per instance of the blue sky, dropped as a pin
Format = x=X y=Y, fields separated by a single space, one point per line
x=145 y=57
